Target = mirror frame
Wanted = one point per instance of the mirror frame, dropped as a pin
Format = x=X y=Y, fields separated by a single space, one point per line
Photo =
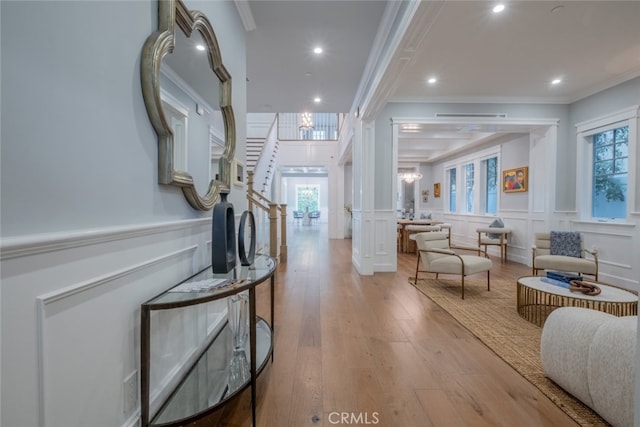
x=159 y=44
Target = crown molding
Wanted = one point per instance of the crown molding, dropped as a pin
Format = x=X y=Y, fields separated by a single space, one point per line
x=244 y=10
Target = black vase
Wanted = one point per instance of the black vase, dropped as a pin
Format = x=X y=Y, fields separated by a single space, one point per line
x=247 y=225
x=223 y=237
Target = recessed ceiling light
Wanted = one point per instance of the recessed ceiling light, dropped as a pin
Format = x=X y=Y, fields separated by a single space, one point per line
x=200 y=47
x=317 y=100
x=432 y=80
x=498 y=8
x=556 y=81
x=317 y=50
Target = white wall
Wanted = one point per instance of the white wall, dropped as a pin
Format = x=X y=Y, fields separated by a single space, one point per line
x=87 y=232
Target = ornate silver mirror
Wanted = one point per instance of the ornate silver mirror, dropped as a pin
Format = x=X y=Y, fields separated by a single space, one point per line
x=187 y=92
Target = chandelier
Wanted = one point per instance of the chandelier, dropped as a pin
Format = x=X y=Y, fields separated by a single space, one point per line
x=306 y=122
x=409 y=176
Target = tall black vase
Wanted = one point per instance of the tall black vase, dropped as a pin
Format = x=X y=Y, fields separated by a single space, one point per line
x=223 y=237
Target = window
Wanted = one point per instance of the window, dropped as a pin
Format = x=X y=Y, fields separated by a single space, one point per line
x=604 y=166
x=452 y=190
x=468 y=186
x=307 y=198
x=491 y=185
x=610 y=167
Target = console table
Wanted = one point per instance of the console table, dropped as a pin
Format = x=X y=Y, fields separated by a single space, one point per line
x=203 y=390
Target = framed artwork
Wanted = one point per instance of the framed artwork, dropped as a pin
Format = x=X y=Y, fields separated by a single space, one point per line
x=238 y=173
x=436 y=189
x=515 y=180
x=425 y=196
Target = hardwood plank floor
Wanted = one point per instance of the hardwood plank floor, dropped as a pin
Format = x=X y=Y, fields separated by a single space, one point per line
x=372 y=350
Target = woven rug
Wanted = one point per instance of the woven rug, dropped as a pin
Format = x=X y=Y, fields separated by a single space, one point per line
x=493 y=318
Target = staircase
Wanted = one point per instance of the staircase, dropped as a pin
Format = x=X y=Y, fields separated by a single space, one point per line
x=254 y=148
x=261 y=159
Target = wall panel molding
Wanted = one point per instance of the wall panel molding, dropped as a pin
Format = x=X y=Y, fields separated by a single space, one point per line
x=60 y=294
x=14 y=247
x=52 y=304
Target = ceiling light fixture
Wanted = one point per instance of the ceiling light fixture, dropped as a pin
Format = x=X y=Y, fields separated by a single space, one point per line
x=317 y=50
x=200 y=47
x=432 y=80
x=306 y=122
x=317 y=100
x=409 y=176
x=556 y=81
x=498 y=8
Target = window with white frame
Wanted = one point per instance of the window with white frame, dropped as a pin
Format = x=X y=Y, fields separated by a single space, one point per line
x=469 y=182
x=604 y=166
x=452 y=189
x=610 y=173
x=490 y=187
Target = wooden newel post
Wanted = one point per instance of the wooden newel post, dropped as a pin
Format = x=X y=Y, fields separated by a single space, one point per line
x=250 y=189
x=273 y=230
x=283 y=232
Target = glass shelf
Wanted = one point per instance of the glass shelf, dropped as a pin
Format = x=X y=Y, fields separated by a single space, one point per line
x=208 y=384
x=218 y=374
x=239 y=279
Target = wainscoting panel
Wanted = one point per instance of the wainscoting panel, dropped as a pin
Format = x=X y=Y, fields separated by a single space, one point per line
x=76 y=298
x=617 y=254
x=385 y=241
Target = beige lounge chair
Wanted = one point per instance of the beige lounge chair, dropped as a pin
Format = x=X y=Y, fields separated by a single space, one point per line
x=544 y=260
x=440 y=258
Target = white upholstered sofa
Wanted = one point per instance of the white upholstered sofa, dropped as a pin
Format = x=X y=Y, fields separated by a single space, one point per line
x=591 y=355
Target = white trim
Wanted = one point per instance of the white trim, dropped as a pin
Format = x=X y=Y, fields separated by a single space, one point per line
x=63 y=293
x=529 y=123
x=600 y=223
x=14 y=247
x=184 y=86
x=246 y=16
x=592 y=126
x=584 y=155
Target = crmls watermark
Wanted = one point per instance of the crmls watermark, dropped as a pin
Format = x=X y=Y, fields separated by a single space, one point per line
x=354 y=418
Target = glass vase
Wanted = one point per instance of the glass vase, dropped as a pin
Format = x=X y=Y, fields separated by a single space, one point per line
x=238 y=309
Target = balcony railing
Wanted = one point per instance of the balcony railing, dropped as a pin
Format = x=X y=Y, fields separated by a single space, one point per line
x=293 y=126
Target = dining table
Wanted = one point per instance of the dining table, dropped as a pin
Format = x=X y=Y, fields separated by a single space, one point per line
x=404 y=232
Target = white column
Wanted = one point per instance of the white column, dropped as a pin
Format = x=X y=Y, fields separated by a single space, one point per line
x=336 y=201
x=363 y=240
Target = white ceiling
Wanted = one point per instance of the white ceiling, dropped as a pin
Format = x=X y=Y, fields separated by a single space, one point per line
x=476 y=55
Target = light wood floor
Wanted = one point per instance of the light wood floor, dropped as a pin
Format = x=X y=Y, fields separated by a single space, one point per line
x=372 y=350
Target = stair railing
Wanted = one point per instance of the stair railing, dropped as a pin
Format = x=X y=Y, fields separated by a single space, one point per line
x=264 y=168
x=269 y=216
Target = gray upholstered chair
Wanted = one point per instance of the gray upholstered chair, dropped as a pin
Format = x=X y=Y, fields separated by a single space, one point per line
x=438 y=257
x=545 y=257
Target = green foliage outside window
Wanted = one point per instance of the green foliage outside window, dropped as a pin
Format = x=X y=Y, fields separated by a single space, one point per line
x=610 y=168
x=307 y=199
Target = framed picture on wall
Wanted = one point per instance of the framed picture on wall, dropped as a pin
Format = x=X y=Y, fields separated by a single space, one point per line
x=436 y=189
x=515 y=180
x=238 y=173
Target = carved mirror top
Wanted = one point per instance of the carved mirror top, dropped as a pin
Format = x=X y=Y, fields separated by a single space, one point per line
x=188 y=99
